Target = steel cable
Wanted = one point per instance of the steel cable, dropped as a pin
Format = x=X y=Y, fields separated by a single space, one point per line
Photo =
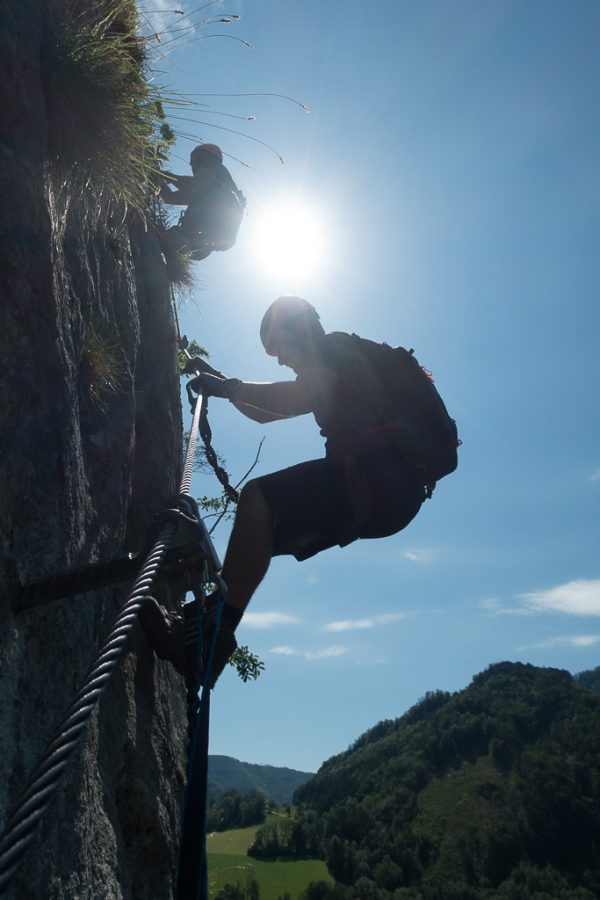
x=21 y=826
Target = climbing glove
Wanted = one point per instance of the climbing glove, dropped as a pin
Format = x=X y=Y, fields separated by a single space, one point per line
x=211 y=386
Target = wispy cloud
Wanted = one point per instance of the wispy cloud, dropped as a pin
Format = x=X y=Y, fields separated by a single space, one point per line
x=490 y=604
x=493 y=607
x=595 y=476
x=572 y=640
x=419 y=555
x=263 y=621
x=326 y=652
x=577 y=598
x=310 y=655
x=363 y=624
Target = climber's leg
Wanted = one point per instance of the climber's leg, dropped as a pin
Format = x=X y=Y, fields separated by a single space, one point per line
x=250 y=547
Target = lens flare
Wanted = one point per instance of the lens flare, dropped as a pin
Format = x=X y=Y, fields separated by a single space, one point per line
x=288 y=241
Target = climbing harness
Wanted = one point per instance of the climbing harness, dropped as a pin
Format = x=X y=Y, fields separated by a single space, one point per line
x=178 y=536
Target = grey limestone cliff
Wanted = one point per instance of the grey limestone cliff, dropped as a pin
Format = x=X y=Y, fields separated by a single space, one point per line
x=84 y=464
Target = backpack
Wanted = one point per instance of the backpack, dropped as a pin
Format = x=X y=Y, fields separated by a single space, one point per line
x=217 y=216
x=408 y=397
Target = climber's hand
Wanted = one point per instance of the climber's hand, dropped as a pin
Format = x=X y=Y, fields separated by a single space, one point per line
x=197 y=364
x=212 y=386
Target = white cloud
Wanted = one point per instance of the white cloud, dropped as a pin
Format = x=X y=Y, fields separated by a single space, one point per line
x=419 y=555
x=324 y=653
x=363 y=624
x=578 y=598
x=312 y=580
x=349 y=625
x=595 y=476
x=263 y=621
x=573 y=640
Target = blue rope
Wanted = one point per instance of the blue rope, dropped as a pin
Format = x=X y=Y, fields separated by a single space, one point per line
x=192 y=873
x=206 y=693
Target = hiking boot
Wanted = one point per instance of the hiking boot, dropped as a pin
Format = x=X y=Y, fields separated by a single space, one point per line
x=172 y=634
x=165 y=632
x=225 y=646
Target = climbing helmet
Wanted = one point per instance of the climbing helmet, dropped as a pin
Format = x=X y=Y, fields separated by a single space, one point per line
x=202 y=151
x=286 y=316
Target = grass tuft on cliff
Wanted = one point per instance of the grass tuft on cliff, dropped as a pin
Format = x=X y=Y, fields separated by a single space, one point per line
x=106 y=129
x=178 y=262
x=102 y=370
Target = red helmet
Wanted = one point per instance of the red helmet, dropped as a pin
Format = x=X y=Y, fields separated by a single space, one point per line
x=203 y=150
x=286 y=314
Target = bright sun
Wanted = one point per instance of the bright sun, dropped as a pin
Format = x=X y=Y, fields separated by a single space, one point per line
x=288 y=240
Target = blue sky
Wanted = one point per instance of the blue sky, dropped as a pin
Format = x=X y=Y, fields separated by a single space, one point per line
x=450 y=163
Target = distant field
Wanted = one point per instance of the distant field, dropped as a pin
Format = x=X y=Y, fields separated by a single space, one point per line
x=228 y=863
x=235 y=841
x=274 y=878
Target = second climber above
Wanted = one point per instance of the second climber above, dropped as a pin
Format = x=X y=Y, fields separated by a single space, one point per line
x=215 y=205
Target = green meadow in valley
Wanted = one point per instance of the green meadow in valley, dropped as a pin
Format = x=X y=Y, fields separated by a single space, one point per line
x=228 y=863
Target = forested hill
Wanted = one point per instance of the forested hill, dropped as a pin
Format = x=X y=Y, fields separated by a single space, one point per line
x=590 y=679
x=277 y=783
x=493 y=792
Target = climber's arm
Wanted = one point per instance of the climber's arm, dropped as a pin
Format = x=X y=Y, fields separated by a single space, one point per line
x=189 y=187
x=185 y=186
x=284 y=399
x=181 y=198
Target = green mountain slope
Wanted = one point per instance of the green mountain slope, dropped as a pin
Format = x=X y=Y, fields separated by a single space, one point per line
x=590 y=679
x=276 y=782
x=493 y=792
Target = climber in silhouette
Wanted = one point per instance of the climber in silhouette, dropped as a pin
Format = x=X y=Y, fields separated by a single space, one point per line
x=215 y=205
x=371 y=482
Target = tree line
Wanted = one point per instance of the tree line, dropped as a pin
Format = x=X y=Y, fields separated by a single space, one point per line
x=234 y=810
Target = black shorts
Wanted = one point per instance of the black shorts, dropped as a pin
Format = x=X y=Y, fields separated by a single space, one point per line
x=333 y=501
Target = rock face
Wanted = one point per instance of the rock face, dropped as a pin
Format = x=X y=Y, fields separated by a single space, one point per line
x=90 y=434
